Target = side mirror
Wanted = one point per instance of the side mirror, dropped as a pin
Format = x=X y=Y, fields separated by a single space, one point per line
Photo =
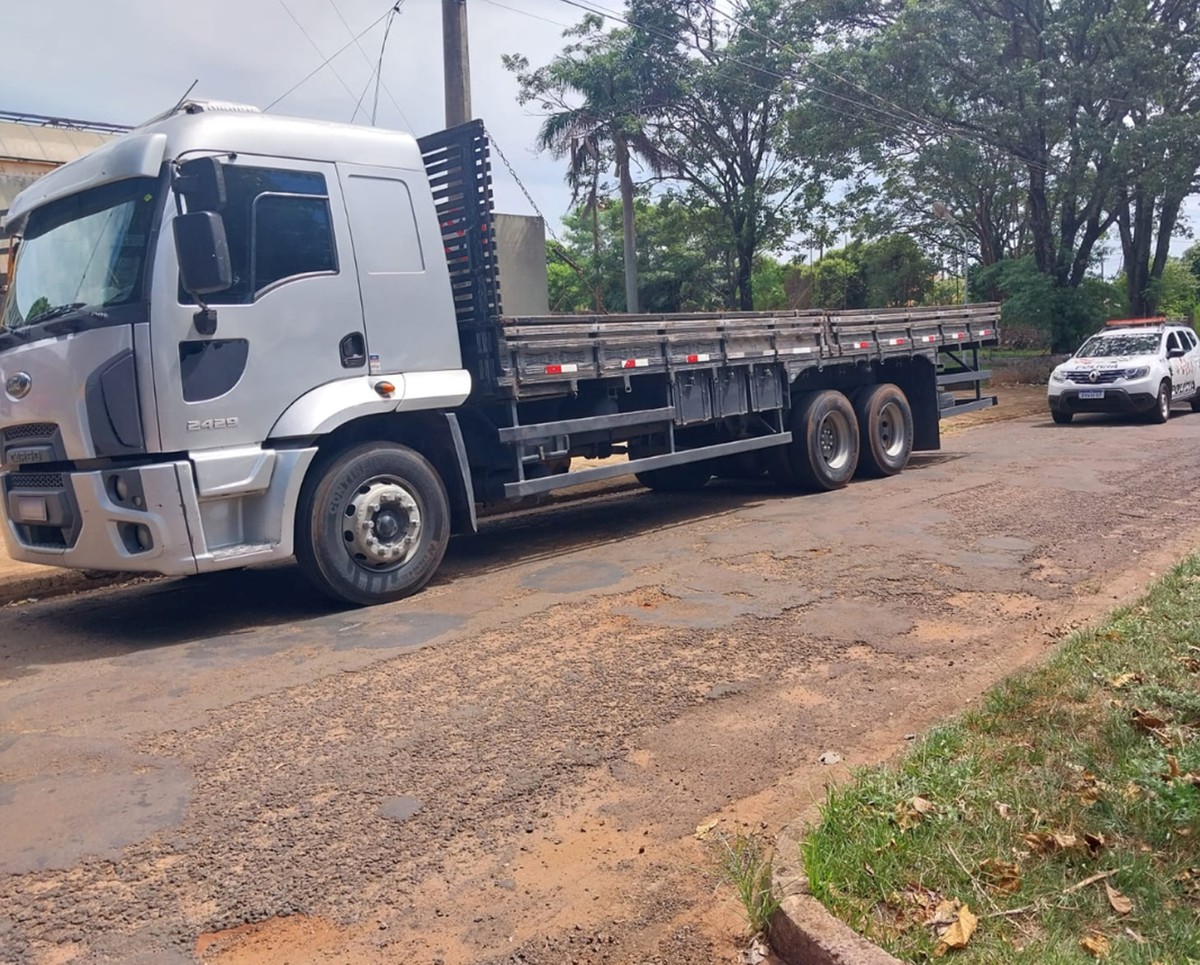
x=200 y=243
x=1175 y=353
x=202 y=182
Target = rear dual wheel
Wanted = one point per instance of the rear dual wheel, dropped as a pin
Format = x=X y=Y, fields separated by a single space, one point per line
x=833 y=438
x=885 y=423
x=824 y=450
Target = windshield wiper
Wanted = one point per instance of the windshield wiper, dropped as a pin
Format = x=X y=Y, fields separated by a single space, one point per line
x=59 y=310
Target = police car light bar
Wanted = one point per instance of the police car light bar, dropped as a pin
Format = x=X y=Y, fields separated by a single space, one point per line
x=1134 y=322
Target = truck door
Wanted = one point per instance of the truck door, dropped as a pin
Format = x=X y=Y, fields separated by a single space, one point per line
x=291 y=321
x=402 y=273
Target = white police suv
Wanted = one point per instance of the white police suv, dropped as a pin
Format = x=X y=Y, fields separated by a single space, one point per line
x=1138 y=365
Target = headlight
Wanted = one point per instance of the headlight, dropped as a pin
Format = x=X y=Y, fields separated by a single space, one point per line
x=1134 y=374
x=1058 y=375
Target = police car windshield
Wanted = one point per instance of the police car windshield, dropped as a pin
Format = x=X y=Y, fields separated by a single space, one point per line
x=1101 y=345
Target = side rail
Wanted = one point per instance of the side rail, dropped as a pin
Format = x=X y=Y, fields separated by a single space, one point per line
x=553 y=352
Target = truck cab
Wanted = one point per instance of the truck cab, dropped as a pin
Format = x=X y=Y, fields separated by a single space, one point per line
x=158 y=429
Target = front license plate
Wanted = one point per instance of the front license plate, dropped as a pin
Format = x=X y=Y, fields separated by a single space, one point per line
x=1091 y=393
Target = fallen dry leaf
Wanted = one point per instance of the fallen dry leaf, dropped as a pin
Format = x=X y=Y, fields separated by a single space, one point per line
x=1146 y=720
x=959 y=933
x=945 y=913
x=1047 y=842
x=1172 y=767
x=1094 y=842
x=1095 y=945
x=1003 y=809
x=1001 y=875
x=1120 y=904
x=705 y=829
x=923 y=806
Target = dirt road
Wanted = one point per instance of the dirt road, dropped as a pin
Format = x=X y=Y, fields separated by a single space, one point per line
x=511 y=766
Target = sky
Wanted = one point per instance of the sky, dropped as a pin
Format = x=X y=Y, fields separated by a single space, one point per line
x=124 y=61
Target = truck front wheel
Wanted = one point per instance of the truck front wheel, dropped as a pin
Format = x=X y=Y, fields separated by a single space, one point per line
x=372 y=524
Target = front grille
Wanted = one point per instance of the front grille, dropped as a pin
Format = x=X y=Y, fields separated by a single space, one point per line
x=31 y=430
x=1102 y=378
x=35 y=480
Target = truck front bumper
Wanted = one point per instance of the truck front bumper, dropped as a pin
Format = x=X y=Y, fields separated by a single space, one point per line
x=128 y=519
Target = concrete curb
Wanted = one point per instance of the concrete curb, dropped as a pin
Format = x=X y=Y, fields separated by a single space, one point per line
x=803 y=932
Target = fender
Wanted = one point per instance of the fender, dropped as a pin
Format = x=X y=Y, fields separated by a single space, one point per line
x=325 y=408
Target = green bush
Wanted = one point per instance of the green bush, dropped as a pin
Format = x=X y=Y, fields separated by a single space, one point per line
x=1031 y=299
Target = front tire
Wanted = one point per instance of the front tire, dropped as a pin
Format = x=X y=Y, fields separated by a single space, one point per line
x=1061 y=418
x=1162 y=405
x=372 y=524
x=885 y=424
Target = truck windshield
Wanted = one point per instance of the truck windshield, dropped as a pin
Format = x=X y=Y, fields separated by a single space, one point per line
x=1102 y=345
x=87 y=251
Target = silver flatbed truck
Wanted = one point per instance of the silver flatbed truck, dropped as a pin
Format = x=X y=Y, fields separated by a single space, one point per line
x=233 y=338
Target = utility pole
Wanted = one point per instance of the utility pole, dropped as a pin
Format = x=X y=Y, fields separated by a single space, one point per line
x=456 y=62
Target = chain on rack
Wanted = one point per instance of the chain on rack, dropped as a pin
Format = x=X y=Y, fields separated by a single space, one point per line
x=561 y=248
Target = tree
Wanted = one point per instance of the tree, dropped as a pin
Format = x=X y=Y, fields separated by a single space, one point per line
x=1091 y=103
x=723 y=118
x=683 y=258
x=598 y=92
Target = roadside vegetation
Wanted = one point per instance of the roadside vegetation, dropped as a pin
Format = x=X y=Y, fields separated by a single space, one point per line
x=1058 y=823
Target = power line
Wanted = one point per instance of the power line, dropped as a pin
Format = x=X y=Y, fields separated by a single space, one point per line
x=320 y=53
x=320 y=67
x=379 y=67
x=526 y=13
x=387 y=90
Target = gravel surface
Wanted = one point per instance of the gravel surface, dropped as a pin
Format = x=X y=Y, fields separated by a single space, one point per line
x=511 y=766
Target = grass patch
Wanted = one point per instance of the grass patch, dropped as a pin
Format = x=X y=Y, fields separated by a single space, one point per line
x=1065 y=811
x=744 y=861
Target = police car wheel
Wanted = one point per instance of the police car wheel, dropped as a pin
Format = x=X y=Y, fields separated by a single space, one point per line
x=1162 y=405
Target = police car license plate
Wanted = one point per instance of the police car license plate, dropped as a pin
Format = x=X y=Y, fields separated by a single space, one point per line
x=1091 y=393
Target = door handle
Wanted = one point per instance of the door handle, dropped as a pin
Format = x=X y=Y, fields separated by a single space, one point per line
x=353 y=350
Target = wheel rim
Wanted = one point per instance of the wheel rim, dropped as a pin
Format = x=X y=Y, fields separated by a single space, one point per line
x=892 y=432
x=833 y=439
x=382 y=524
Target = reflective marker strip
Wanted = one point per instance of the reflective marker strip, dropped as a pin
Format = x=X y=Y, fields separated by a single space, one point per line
x=635 y=363
x=929 y=338
x=560 y=369
x=799 y=350
x=860 y=344
x=897 y=341
x=959 y=335
x=697 y=358
x=986 y=331
x=736 y=355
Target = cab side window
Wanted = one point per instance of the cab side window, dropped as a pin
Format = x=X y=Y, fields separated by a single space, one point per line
x=1172 y=343
x=278 y=226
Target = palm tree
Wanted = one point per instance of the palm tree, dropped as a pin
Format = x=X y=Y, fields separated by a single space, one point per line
x=595 y=93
